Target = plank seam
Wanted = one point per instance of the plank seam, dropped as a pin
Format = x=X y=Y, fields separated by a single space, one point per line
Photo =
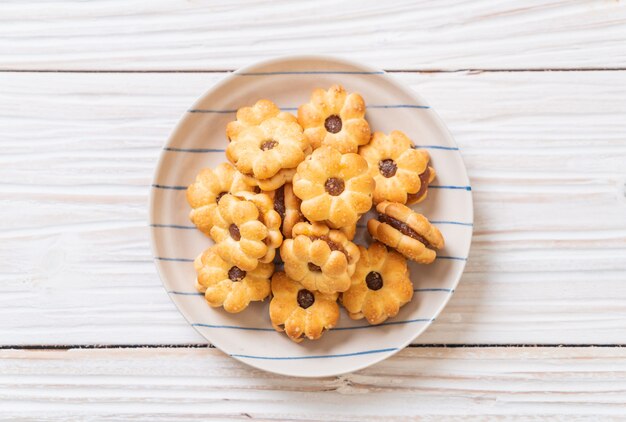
x=210 y=346
x=468 y=70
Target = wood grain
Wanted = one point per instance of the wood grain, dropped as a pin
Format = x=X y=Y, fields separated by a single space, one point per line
x=179 y=35
x=545 y=154
x=417 y=384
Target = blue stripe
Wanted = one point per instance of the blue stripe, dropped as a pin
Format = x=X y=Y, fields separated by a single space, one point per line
x=210 y=110
x=309 y=72
x=197 y=150
x=359 y=327
x=173 y=226
x=160 y=258
x=467 y=188
x=458 y=223
x=234 y=327
x=457 y=258
x=174 y=292
x=340 y=355
x=397 y=106
x=169 y=187
x=434 y=290
x=437 y=147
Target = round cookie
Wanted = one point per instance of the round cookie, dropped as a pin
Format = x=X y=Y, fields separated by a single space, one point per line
x=401 y=172
x=406 y=231
x=264 y=141
x=246 y=230
x=380 y=285
x=287 y=205
x=335 y=118
x=209 y=187
x=319 y=258
x=334 y=187
x=226 y=285
x=300 y=312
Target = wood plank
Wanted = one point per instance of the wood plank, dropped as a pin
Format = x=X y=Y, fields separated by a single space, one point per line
x=545 y=153
x=417 y=384
x=177 y=35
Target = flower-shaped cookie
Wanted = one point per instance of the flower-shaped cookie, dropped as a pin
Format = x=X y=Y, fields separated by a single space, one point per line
x=334 y=187
x=301 y=312
x=335 y=119
x=406 y=231
x=246 y=230
x=287 y=205
x=209 y=187
x=264 y=141
x=227 y=285
x=398 y=169
x=380 y=285
x=319 y=258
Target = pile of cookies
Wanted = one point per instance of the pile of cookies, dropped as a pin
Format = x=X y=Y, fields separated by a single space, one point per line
x=299 y=186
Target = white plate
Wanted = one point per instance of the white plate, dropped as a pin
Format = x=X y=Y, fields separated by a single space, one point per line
x=199 y=141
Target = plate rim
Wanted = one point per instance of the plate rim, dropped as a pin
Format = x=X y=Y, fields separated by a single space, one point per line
x=310 y=57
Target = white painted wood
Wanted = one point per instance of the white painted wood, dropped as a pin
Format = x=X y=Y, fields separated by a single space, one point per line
x=408 y=34
x=417 y=384
x=546 y=154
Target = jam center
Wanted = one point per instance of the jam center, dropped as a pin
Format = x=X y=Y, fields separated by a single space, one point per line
x=387 y=167
x=334 y=186
x=234 y=232
x=313 y=267
x=333 y=123
x=267 y=145
x=374 y=280
x=305 y=298
x=236 y=274
x=403 y=228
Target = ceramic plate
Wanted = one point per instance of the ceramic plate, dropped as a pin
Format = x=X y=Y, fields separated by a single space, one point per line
x=199 y=141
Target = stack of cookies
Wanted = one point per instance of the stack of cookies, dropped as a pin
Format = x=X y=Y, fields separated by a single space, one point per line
x=299 y=186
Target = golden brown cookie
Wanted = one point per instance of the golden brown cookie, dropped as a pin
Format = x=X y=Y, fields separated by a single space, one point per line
x=319 y=258
x=246 y=230
x=273 y=183
x=301 y=312
x=210 y=185
x=264 y=141
x=336 y=119
x=227 y=285
x=406 y=231
x=349 y=231
x=333 y=187
x=380 y=285
x=287 y=205
x=398 y=168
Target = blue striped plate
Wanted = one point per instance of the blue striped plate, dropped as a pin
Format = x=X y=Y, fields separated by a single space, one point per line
x=199 y=141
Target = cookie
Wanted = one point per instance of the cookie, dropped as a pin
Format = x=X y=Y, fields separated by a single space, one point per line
x=300 y=312
x=287 y=205
x=397 y=167
x=226 y=285
x=273 y=183
x=209 y=187
x=335 y=118
x=406 y=231
x=319 y=258
x=246 y=229
x=264 y=141
x=380 y=285
x=335 y=188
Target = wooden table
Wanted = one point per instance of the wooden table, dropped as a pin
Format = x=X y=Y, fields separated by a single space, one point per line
x=534 y=93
